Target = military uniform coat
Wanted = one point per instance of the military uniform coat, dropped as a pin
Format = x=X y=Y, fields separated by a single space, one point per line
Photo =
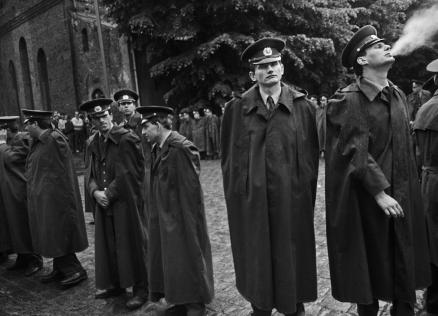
x=270 y=169
x=426 y=130
x=198 y=133
x=56 y=216
x=368 y=150
x=13 y=192
x=180 y=254
x=117 y=166
x=212 y=135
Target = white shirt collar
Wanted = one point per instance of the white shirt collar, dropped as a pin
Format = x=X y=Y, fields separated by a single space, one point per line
x=265 y=96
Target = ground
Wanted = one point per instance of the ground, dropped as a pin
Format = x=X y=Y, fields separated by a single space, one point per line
x=27 y=296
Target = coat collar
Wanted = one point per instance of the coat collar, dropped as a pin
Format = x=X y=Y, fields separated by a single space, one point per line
x=369 y=88
x=44 y=137
x=252 y=98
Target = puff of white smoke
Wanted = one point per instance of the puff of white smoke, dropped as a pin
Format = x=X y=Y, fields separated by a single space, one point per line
x=418 y=31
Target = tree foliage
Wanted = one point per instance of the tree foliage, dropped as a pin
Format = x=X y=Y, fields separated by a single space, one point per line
x=195 y=46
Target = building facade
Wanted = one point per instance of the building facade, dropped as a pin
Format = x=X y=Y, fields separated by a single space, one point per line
x=50 y=57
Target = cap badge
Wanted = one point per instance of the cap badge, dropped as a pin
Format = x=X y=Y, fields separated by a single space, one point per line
x=373 y=37
x=267 y=51
x=125 y=97
x=97 y=109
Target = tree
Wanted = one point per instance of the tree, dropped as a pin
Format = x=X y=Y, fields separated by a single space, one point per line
x=196 y=45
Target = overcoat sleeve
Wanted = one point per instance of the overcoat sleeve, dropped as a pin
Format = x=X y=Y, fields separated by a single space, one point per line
x=129 y=167
x=348 y=131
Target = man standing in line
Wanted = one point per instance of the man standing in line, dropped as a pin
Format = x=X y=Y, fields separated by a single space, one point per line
x=426 y=131
x=115 y=177
x=376 y=227
x=211 y=134
x=14 y=148
x=198 y=132
x=127 y=101
x=185 y=125
x=416 y=98
x=56 y=216
x=180 y=260
x=270 y=159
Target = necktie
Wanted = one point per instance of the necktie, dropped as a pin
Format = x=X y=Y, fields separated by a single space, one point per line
x=271 y=104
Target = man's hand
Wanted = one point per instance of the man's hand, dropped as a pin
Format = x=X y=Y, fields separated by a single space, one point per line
x=101 y=198
x=389 y=205
x=3 y=136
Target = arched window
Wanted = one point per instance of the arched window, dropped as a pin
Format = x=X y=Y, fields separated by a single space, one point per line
x=97 y=94
x=13 y=80
x=85 y=47
x=43 y=79
x=25 y=72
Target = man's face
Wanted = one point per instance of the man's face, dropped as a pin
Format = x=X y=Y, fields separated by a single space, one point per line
x=186 y=116
x=378 y=55
x=268 y=74
x=103 y=123
x=76 y=114
x=127 y=107
x=32 y=128
x=323 y=100
x=151 y=131
x=207 y=112
x=196 y=114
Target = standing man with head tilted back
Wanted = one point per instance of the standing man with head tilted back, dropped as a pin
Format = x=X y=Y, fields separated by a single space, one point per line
x=270 y=150
x=14 y=148
x=376 y=227
x=426 y=131
x=115 y=177
x=56 y=216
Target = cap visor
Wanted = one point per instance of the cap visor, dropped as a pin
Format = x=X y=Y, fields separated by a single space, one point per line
x=267 y=60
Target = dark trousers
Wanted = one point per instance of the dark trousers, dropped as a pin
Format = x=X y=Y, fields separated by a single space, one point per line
x=398 y=308
x=432 y=292
x=78 y=140
x=29 y=258
x=68 y=264
x=258 y=312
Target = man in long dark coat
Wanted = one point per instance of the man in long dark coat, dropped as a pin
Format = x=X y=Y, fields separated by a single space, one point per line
x=416 y=98
x=426 y=131
x=376 y=228
x=185 y=124
x=180 y=263
x=198 y=132
x=211 y=134
x=56 y=216
x=270 y=149
x=13 y=152
x=115 y=179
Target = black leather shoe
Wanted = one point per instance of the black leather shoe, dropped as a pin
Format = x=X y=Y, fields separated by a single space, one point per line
x=136 y=302
x=110 y=293
x=176 y=310
x=33 y=268
x=74 y=279
x=53 y=276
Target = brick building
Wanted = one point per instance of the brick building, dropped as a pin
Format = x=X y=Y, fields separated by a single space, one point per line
x=50 y=55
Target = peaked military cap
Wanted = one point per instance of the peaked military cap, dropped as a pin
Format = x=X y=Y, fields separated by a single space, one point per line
x=265 y=50
x=125 y=95
x=36 y=114
x=151 y=111
x=362 y=39
x=97 y=107
x=433 y=66
x=8 y=119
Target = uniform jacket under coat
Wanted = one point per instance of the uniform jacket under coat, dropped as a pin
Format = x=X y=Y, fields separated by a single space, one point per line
x=198 y=133
x=368 y=150
x=180 y=254
x=426 y=130
x=270 y=168
x=56 y=216
x=13 y=201
x=119 y=170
